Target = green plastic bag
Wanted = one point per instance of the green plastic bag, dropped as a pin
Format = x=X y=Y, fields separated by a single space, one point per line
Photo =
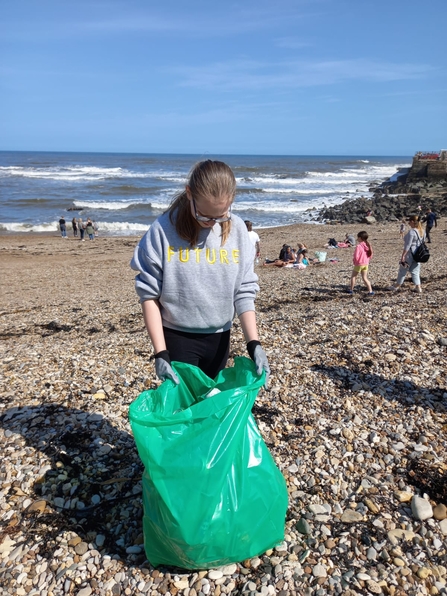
x=212 y=493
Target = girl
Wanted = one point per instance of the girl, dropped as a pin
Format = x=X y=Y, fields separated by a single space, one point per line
x=195 y=268
x=90 y=229
x=361 y=258
x=407 y=264
x=302 y=260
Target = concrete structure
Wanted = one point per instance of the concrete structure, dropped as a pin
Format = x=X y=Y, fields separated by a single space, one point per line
x=429 y=165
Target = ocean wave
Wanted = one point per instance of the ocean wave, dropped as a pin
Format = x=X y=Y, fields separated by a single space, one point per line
x=28 y=227
x=110 y=206
x=120 y=227
x=297 y=206
x=71 y=173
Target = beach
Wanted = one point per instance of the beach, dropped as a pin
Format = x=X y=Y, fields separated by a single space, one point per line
x=355 y=417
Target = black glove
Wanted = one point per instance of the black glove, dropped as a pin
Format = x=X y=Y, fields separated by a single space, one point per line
x=163 y=368
x=259 y=357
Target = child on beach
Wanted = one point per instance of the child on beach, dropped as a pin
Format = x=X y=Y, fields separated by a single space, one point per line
x=361 y=258
x=195 y=271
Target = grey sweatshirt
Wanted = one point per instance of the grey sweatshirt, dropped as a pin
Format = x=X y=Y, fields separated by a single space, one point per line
x=200 y=288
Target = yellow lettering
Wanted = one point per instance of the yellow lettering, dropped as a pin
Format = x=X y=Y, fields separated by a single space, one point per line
x=171 y=252
x=224 y=256
x=197 y=251
x=210 y=251
x=183 y=258
x=235 y=253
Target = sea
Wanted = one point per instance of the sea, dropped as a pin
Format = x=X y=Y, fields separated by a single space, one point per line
x=125 y=192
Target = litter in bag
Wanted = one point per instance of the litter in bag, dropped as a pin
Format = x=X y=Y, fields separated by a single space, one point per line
x=212 y=493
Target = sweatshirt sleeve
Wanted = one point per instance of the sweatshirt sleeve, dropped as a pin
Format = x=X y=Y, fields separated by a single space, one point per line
x=245 y=294
x=147 y=261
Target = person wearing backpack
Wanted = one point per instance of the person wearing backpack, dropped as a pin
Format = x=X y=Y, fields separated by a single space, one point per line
x=412 y=239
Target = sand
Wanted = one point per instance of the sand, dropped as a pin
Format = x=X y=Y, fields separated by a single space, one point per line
x=355 y=416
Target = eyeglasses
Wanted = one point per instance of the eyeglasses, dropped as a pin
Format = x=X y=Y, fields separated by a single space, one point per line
x=204 y=219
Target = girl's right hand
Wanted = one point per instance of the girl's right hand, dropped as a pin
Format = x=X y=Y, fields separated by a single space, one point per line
x=163 y=368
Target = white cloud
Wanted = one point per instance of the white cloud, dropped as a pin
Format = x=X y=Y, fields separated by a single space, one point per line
x=255 y=76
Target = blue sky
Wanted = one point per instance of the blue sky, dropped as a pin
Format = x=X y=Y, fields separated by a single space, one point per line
x=320 y=77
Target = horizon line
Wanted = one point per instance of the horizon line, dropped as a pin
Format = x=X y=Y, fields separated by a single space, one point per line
x=204 y=155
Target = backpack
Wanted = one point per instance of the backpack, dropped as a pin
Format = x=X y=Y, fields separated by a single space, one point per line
x=422 y=253
x=333 y=242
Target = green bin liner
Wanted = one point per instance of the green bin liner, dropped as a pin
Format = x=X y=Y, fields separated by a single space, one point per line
x=212 y=493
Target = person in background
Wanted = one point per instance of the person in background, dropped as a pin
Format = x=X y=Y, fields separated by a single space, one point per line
x=407 y=264
x=254 y=238
x=63 y=227
x=286 y=257
x=195 y=271
x=350 y=240
x=402 y=228
x=74 y=225
x=361 y=258
x=431 y=220
x=90 y=229
x=81 y=227
x=303 y=260
x=95 y=228
x=300 y=248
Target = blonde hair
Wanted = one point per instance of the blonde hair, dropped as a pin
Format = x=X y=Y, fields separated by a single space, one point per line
x=415 y=219
x=208 y=179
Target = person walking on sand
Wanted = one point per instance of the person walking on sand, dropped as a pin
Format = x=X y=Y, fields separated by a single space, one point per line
x=74 y=225
x=362 y=255
x=63 y=227
x=431 y=220
x=81 y=226
x=407 y=264
x=254 y=239
x=195 y=271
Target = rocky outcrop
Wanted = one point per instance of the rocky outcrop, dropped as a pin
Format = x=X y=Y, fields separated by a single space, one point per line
x=409 y=191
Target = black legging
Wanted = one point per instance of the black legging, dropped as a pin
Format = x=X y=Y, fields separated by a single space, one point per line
x=208 y=351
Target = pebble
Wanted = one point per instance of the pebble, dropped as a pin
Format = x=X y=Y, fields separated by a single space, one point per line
x=398 y=534
x=356 y=434
x=440 y=512
x=303 y=526
x=81 y=548
x=319 y=571
x=421 y=508
x=350 y=516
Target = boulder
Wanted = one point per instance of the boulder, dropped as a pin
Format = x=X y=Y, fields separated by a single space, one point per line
x=369 y=219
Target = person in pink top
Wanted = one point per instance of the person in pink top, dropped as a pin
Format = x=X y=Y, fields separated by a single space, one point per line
x=361 y=258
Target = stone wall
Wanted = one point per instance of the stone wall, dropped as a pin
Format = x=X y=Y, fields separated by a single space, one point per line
x=430 y=166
